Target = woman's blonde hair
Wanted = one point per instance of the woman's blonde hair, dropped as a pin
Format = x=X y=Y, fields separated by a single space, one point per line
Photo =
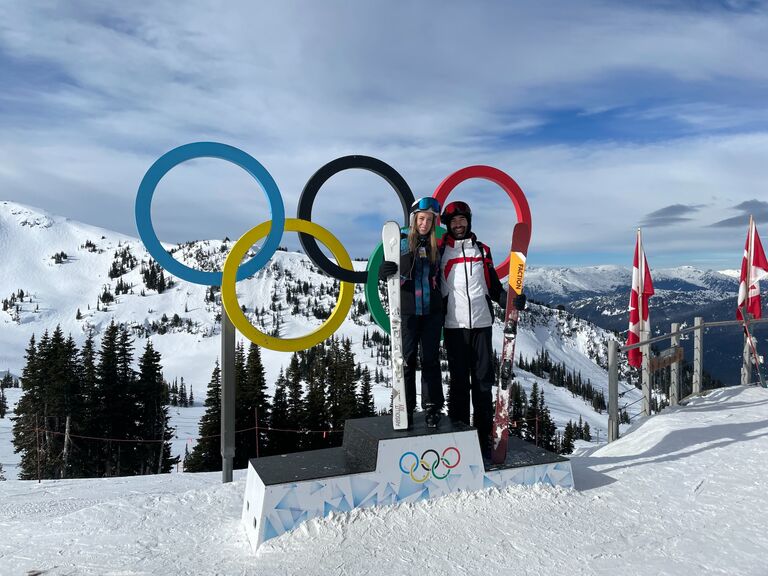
x=413 y=237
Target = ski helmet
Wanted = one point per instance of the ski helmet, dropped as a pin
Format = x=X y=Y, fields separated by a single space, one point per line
x=426 y=204
x=458 y=208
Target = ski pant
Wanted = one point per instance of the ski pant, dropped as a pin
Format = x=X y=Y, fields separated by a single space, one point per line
x=424 y=330
x=470 y=363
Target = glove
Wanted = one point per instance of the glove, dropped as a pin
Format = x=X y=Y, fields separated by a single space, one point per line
x=502 y=302
x=520 y=302
x=387 y=269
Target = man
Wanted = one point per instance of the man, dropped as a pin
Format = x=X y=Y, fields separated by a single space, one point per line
x=469 y=285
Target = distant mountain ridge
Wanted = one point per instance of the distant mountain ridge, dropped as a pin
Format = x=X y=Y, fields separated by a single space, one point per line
x=600 y=294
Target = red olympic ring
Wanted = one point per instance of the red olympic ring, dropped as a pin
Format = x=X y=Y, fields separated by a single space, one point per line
x=497 y=177
x=458 y=457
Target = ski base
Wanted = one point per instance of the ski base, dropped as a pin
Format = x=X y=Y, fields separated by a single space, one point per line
x=521 y=237
x=390 y=237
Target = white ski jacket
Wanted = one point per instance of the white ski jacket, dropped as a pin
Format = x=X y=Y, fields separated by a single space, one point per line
x=469 y=283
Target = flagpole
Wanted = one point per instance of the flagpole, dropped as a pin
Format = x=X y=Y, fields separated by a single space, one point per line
x=744 y=313
x=645 y=349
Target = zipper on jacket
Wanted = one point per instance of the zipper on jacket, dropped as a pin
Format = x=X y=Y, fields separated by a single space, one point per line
x=466 y=278
x=421 y=279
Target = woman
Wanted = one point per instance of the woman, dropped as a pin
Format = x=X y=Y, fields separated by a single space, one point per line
x=421 y=308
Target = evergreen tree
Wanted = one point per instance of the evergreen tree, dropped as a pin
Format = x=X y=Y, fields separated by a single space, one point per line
x=517 y=417
x=153 y=419
x=73 y=408
x=183 y=400
x=280 y=442
x=547 y=428
x=366 y=406
x=568 y=439
x=28 y=408
x=3 y=403
x=7 y=381
x=49 y=401
x=251 y=394
x=109 y=421
x=88 y=452
x=317 y=415
x=295 y=396
x=206 y=455
x=342 y=393
x=530 y=431
x=587 y=434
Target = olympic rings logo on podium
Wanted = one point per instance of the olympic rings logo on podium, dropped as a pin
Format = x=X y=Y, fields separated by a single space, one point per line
x=309 y=234
x=430 y=462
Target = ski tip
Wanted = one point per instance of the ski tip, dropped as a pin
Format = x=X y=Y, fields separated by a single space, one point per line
x=521 y=237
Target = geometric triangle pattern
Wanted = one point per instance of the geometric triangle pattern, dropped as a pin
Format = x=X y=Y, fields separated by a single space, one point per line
x=488 y=483
x=290 y=500
x=408 y=488
x=361 y=487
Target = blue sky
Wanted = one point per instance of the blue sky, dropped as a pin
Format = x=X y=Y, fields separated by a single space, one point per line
x=610 y=116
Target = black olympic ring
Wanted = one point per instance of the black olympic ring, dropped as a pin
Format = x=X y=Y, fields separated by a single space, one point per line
x=312 y=187
x=436 y=460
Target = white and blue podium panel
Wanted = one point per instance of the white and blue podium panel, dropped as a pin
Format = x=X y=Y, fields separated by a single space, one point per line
x=377 y=466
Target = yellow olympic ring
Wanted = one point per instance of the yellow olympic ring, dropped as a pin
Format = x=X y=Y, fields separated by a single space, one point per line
x=232 y=306
x=418 y=480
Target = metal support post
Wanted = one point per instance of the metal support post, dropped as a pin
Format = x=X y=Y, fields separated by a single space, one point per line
x=698 y=354
x=746 y=363
x=674 y=384
x=227 y=396
x=646 y=371
x=613 y=390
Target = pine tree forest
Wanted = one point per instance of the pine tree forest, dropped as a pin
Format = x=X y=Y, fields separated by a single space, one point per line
x=321 y=388
x=103 y=410
x=88 y=413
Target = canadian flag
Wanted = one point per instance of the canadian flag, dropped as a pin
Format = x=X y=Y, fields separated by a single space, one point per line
x=749 y=281
x=642 y=289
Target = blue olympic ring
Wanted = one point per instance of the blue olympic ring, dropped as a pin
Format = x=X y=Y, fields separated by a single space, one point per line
x=208 y=150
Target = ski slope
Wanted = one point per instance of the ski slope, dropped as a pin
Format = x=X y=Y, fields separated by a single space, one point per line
x=683 y=492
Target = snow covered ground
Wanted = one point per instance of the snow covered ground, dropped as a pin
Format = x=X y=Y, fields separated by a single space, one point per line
x=683 y=492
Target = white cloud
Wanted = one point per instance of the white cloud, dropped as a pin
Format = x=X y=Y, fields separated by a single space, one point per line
x=100 y=91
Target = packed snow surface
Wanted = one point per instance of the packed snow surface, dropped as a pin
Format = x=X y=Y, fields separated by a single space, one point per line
x=683 y=492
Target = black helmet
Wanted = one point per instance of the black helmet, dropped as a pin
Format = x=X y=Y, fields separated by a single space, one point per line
x=456 y=209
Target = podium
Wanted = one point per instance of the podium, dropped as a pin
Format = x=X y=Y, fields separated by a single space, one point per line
x=379 y=466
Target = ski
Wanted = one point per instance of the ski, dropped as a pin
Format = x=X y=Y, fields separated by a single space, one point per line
x=521 y=237
x=390 y=237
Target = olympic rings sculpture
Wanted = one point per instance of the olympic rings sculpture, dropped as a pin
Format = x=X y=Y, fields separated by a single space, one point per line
x=430 y=461
x=309 y=234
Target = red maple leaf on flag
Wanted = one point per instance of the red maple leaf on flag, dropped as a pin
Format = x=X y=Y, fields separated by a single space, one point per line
x=640 y=270
x=749 y=280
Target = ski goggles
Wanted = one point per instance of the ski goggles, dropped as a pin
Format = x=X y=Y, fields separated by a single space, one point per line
x=456 y=208
x=426 y=204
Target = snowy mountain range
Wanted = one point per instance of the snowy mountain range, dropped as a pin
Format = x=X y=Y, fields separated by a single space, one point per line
x=57 y=271
x=600 y=294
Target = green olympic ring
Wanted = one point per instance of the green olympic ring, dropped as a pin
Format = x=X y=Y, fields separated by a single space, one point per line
x=372 y=297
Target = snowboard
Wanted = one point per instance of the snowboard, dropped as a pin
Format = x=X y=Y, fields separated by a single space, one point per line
x=390 y=238
x=521 y=237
